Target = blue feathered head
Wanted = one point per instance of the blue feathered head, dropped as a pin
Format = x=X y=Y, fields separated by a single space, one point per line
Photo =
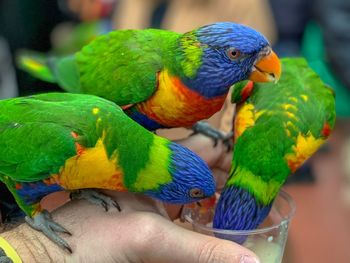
x=217 y=56
x=192 y=180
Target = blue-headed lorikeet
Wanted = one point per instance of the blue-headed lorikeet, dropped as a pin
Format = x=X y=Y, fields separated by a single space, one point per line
x=277 y=128
x=163 y=79
x=61 y=141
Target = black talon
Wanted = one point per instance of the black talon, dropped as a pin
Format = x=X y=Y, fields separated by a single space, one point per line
x=228 y=141
x=105 y=206
x=68 y=249
x=116 y=205
x=68 y=233
x=95 y=197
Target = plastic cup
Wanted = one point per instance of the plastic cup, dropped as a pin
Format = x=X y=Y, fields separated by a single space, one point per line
x=268 y=241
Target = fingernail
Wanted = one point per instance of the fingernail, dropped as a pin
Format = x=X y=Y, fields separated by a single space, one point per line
x=248 y=259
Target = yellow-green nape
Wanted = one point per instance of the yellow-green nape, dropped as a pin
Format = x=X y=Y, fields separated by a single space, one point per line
x=192 y=52
x=264 y=191
x=159 y=157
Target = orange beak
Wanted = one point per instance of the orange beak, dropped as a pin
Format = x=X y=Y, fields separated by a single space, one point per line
x=267 y=69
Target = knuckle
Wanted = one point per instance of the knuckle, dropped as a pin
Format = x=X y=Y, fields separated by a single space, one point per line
x=210 y=252
x=146 y=230
x=146 y=223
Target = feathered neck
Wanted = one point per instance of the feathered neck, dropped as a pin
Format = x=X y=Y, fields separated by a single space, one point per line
x=195 y=70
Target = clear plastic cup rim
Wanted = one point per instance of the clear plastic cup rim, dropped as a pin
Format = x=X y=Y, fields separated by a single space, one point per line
x=284 y=221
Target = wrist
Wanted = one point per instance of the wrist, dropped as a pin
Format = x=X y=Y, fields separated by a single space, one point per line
x=31 y=246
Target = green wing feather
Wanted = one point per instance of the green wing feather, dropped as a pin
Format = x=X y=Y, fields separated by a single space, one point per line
x=113 y=66
x=42 y=125
x=300 y=103
x=299 y=80
x=37 y=159
x=120 y=66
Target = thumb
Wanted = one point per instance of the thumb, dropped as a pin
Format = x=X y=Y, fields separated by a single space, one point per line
x=171 y=243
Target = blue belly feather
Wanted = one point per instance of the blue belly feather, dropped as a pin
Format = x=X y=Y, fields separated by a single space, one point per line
x=33 y=192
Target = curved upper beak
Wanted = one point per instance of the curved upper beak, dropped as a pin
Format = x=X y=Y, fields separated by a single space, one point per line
x=266 y=69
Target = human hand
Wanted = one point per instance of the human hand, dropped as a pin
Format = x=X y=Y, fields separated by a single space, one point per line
x=216 y=157
x=140 y=233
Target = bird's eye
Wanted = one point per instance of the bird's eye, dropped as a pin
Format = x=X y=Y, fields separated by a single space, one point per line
x=196 y=193
x=233 y=53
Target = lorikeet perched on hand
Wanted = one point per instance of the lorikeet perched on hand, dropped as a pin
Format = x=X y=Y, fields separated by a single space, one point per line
x=62 y=141
x=163 y=79
x=278 y=127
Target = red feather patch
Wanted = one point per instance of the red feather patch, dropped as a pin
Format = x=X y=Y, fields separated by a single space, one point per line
x=247 y=90
x=79 y=148
x=326 y=131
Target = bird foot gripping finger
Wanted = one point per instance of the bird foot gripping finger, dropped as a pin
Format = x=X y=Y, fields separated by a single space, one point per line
x=213 y=133
x=227 y=141
x=43 y=222
x=95 y=197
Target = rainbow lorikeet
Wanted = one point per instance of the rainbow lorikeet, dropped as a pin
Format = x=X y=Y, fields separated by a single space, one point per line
x=163 y=79
x=277 y=128
x=61 y=141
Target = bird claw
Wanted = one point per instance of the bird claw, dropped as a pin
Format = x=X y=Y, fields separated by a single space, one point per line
x=215 y=134
x=227 y=141
x=43 y=222
x=96 y=198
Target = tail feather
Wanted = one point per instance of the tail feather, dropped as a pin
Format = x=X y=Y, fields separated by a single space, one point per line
x=36 y=64
x=63 y=71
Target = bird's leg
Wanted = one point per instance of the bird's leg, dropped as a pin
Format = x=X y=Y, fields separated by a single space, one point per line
x=206 y=129
x=37 y=218
x=43 y=222
x=95 y=197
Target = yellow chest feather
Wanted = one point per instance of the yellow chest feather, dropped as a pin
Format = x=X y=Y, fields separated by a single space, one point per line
x=92 y=168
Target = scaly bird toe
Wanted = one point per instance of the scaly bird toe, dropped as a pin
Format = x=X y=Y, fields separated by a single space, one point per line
x=95 y=197
x=44 y=223
x=206 y=129
x=227 y=141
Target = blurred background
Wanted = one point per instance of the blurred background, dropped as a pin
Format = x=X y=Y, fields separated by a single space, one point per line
x=318 y=30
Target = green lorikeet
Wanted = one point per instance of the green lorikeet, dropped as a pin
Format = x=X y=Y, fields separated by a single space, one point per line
x=277 y=128
x=61 y=141
x=163 y=79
